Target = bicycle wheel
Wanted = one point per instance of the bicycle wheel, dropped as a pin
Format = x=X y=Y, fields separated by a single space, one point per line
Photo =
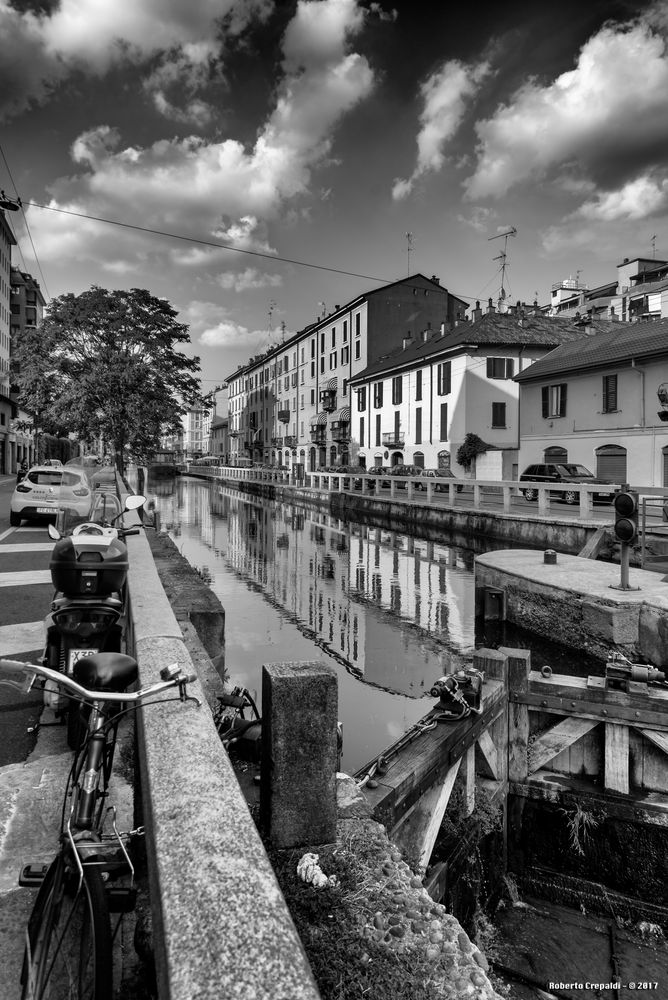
x=68 y=943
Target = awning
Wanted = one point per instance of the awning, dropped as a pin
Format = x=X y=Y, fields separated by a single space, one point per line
x=342 y=415
x=332 y=385
x=320 y=419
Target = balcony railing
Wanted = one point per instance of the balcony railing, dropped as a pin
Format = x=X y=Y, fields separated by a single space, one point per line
x=394 y=440
x=284 y=416
x=290 y=441
x=328 y=400
x=277 y=442
x=319 y=436
x=340 y=431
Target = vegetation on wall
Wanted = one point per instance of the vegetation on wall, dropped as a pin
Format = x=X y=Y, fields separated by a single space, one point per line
x=471 y=447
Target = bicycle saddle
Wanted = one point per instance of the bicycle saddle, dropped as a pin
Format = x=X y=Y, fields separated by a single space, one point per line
x=106 y=671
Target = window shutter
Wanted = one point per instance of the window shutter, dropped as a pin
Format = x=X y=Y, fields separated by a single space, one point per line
x=545 y=396
x=448 y=377
x=562 y=400
x=510 y=367
x=490 y=367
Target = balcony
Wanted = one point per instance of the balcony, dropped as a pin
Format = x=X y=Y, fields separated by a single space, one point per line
x=233 y=434
x=394 y=440
x=340 y=431
x=290 y=441
x=328 y=399
x=319 y=435
x=277 y=442
x=284 y=416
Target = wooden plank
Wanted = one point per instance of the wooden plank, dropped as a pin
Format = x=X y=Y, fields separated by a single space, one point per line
x=416 y=833
x=557 y=739
x=519 y=670
x=616 y=770
x=489 y=754
x=591 y=744
x=659 y=739
x=652 y=806
x=468 y=761
x=492 y=662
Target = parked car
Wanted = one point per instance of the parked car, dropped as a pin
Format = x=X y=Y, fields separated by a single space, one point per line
x=44 y=489
x=567 y=472
x=405 y=472
x=437 y=474
x=382 y=471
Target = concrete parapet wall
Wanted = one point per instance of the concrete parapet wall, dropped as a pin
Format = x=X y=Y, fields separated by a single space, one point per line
x=221 y=925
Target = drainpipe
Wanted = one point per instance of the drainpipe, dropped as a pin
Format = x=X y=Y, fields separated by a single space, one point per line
x=640 y=371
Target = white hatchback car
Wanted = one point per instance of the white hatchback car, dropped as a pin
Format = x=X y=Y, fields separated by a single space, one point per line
x=44 y=489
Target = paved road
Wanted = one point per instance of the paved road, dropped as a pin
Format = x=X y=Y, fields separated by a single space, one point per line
x=25 y=596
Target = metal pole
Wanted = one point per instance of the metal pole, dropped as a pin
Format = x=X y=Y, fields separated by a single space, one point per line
x=624 y=564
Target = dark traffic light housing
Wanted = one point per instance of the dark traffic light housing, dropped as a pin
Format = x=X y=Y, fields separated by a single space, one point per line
x=627 y=504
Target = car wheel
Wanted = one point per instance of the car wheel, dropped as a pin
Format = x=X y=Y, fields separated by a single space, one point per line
x=570 y=496
x=14 y=519
x=530 y=494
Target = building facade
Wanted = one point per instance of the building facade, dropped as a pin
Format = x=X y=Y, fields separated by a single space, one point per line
x=417 y=405
x=291 y=406
x=602 y=403
x=27 y=310
x=638 y=292
x=8 y=409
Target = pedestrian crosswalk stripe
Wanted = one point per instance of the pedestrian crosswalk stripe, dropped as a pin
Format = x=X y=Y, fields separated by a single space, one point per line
x=25 y=578
x=22 y=637
x=27 y=547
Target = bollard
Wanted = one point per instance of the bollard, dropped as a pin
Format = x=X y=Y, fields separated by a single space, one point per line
x=550 y=557
x=299 y=753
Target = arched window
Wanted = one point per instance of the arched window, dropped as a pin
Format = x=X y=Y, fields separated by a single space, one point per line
x=418 y=459
x=611 y=463
x=555 y=455
x=443 y=459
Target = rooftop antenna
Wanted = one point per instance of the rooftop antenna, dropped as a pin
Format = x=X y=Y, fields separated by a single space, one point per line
x=272 y=306
x=409 y=247
x=654 y=245
x=324 y=310
x=503 y=257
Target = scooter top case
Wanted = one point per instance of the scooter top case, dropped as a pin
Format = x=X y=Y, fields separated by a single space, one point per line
x=89 y=564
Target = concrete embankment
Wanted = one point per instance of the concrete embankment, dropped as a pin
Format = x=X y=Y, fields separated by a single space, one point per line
x=574 y=602
x=396 y=914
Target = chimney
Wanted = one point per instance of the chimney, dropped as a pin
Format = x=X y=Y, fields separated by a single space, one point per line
x=435 y=279
x=490 y=305
x=476 y=313
x=407 y=341
x=613 y=314
x=337 y=307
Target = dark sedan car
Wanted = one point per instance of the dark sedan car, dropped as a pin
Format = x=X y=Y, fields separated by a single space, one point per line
x=565 y=473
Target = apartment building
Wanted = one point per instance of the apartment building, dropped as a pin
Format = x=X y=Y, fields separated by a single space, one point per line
x=416 y=405
x=638 y=292
x=291 y=405
x=7 y=407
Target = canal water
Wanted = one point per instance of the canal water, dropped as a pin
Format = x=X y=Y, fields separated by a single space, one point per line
x=391 y=612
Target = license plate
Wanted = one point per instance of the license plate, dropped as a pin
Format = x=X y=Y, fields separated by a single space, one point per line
x=78 y=654
x=45 y=510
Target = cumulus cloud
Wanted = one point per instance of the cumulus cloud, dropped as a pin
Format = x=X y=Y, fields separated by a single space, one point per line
x=638 y=199
x=250 y=278
x=193 y=185
x=445 y=95
x=38 y=50
x=605 y=122
x=212 y=326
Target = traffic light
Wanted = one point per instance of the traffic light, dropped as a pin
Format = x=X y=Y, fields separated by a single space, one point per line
x=626 y=516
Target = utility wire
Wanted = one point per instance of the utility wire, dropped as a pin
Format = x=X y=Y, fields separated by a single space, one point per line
x=25 y=220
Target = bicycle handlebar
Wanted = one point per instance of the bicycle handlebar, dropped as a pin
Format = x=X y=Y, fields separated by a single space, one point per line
x=30 y=670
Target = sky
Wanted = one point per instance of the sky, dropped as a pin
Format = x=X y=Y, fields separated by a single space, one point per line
x=339 y=143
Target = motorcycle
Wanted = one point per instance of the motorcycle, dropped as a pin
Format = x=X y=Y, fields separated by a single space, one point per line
x=88 y=567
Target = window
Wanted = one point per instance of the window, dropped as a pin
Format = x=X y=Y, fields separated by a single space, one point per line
x=302 y=402
x=322 y=365
x=361 y=399
x=609 y=393
x=313 y=369
x=418 y=385
x=444 y=378
x=498 y=414
x=362 y=431
x=377 y=395
x=345 y=330
x=302 y=377
x=313 y=348
x=553 y=399
x=322 y=342
x=312 y=397
x=378 y=430
x=333 y=336
x=345 y=355
x=358 y=349
x=444 y=422
x=500 y=367
x=357 y=324
x=332 y=360
x=397 y=389
x=418 y=426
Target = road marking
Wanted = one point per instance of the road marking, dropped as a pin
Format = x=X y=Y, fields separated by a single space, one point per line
x=25 y=578
x=9 y=531
x=22 y=637
x=27 y=547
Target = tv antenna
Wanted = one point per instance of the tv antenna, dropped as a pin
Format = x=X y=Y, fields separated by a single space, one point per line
x=653 y=241
x=409 y=247
x=503 y=257
x=272 y=306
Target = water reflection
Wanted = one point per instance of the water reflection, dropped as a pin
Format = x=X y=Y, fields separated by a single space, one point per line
x=394 y=612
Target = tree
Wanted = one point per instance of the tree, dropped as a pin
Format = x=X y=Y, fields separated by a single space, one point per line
x=467 y=452
x=105 y=363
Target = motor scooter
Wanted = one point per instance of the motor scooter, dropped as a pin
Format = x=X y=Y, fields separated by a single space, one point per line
x=88 y=567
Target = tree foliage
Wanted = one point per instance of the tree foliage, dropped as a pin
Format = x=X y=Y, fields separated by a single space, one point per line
x=469 y=449
x=106 y=363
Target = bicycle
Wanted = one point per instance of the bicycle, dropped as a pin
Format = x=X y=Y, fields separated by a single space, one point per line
x=69 y=938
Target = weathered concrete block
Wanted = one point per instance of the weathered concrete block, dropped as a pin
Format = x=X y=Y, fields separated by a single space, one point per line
x=606 y=625
x=299 y=753
x=653 y=634
x=350 y=801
